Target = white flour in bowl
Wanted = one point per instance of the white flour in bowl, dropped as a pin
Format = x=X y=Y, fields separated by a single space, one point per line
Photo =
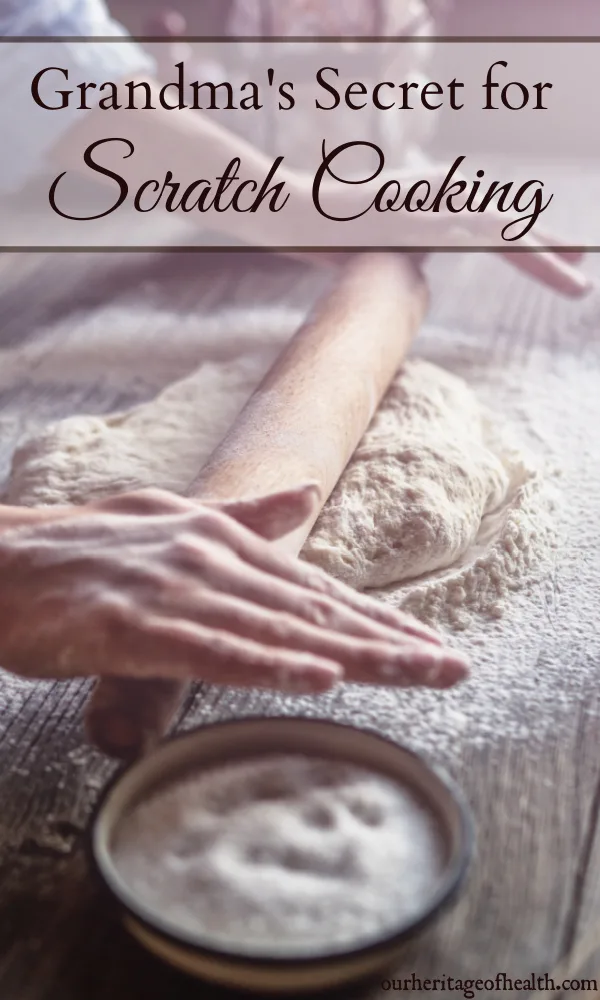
x=282 y=854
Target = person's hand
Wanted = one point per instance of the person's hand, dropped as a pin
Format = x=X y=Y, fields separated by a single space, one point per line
x=151 y=585
x=556 y=268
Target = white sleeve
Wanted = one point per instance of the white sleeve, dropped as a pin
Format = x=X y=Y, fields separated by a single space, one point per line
x=28 y=132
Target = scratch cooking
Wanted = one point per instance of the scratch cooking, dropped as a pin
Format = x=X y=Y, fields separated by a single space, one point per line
x=299 y=547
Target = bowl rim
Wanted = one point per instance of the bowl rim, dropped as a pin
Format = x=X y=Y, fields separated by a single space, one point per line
x=450 y=881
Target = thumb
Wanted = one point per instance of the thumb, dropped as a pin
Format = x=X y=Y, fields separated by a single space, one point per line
x=276 y=514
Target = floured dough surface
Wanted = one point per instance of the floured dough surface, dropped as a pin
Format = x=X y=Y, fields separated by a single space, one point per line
x=282 y=853
x=162 y=443
x=435 y=502
x=415 y=493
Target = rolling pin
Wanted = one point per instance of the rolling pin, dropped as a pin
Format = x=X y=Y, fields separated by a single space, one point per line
x=302 y=423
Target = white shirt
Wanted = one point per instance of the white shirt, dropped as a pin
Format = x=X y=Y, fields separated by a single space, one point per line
x=27 y=132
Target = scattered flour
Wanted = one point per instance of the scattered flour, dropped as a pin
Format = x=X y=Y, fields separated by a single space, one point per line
x=436 y=498
x=415 y=492
x=439 y=499
x=534 y=692
x=535 y=668
x=283 y=852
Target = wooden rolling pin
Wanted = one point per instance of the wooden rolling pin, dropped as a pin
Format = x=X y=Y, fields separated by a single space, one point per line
x=303 y=422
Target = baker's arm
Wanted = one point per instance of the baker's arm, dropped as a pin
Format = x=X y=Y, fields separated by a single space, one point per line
x=150 y=585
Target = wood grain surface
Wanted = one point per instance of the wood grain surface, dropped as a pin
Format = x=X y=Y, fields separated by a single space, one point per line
x=533 y=897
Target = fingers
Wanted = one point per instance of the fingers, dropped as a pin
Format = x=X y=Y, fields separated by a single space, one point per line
x=314 y=581
x=218 y=657
x=373 y=609
x=144 y=503
x=551 y=270
x=546 y=239
x=364 y=656
x=554 y=269
x=328 y=608
x=273 y=599
x=222 y=657
x=271 y=516
x=186 y=592
x=276 y=514
x=572 y=256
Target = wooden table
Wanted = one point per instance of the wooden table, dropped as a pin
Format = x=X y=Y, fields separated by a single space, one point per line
x=534 y=891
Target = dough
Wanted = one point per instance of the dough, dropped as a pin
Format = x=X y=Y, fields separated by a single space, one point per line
x=414 y=495
x=162 y=443
x=431 y=481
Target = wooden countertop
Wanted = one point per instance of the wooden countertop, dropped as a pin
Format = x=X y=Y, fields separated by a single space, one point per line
x=534 y=892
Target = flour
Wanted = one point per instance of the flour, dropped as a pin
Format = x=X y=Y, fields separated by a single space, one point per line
x=439 y=495
x=161 y=443
x=283 y=853
x=415 y=492
x=433 y=487
x=531 y=357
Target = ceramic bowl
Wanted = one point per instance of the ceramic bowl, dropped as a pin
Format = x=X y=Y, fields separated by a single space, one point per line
x=230 y=741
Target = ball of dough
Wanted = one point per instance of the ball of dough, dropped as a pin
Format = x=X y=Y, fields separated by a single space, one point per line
x=414 y=495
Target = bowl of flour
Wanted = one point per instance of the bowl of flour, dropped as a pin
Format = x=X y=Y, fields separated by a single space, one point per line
x=280 y=854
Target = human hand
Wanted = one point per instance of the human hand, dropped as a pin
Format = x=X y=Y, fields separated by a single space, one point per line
x=151 y=585
x=555 y=268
